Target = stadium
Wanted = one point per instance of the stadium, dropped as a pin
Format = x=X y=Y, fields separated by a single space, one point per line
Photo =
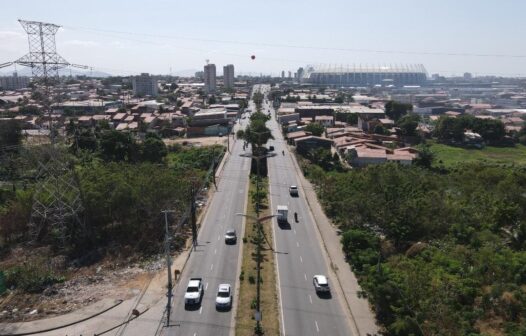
x=353 y=76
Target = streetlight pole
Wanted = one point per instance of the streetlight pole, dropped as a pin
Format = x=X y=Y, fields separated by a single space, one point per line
x=168 y=266
x=259 y=238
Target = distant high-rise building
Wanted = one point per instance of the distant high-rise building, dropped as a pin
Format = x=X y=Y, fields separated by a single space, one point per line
x=283 y=74
x=14 y=82
x=145 y=85
x=290 y=74
x=210 y=78
x=228 y=76
x=468 y=75
x=200 y=75
x=300 y=73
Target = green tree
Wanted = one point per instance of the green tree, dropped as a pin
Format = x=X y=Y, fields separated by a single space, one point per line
x=380 y=129
x=154 y=149
x=408 y=124
x=117 y=146
x=425 y=157
x=315 y=129
x=491 y=130
x=29 y=109
x=10 y=133
x=396 y=110
x=449 y=129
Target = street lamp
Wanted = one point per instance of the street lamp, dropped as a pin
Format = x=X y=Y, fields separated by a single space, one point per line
x=258 y=253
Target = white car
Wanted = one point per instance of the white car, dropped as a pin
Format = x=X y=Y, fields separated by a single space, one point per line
x=194 y=291
x=224 y=297
x=321 y=284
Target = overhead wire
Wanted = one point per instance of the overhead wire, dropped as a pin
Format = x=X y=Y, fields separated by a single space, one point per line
x=294 y=46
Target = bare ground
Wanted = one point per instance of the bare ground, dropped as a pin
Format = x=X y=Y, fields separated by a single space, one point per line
x=110 y=278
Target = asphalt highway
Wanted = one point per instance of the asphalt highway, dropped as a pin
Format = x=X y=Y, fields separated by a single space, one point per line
x=299 y=254
x=213 y=260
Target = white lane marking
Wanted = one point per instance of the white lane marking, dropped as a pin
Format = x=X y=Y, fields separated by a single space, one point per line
x=301 y=259
x=195 y=334
x=201 y=311
x=310 y=299
x=297 y=244
x=317 y=329
x=305 y=274
x=294 y=231
x=206 y=286
x=218 y=237
x=276 y=258
x=215 y=251
x=212 y=267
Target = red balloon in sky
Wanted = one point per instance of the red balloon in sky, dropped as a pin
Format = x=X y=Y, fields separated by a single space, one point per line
x=253 y=57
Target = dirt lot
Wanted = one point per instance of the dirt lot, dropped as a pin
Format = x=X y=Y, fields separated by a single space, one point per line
x=202 y=141
x=106 y=279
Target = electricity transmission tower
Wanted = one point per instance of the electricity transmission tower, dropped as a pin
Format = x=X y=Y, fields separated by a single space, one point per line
x=57 y=199
x=42 y=58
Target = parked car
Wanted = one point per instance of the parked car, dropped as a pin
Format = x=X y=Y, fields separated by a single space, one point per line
x=230 y=236
x=224 y=297
x=321 y=284
x=271 y=148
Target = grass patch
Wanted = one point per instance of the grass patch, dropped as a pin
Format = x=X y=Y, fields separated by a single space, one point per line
x=450 y=156
x=245 y=322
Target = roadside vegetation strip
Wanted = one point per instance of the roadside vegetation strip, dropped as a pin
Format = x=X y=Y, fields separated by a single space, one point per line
x=245 y=321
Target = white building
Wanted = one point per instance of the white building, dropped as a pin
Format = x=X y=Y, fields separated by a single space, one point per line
x=144 y=85
x=14 y=82
x=210 y=78
x=228 y=76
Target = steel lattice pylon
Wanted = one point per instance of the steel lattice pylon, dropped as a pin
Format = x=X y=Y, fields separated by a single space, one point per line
x=57 y=200
x=42 y=57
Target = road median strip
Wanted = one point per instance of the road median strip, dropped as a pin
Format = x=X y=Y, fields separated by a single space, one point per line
x=246 y=311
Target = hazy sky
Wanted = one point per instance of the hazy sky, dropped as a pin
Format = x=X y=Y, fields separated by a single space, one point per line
x=157 y=35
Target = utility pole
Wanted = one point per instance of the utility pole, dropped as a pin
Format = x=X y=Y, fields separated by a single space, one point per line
x=193 y=215
x=168 y=267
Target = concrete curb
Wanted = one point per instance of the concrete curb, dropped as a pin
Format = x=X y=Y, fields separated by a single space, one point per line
x=64 y=325
x=237 y=286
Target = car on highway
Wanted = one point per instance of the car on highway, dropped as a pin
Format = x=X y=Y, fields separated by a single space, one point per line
x=230 y=236
x=293 y=191
x=224 y=297
x=321 y=284
x=194 y=292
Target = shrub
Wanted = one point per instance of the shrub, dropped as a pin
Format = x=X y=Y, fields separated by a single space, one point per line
x=31 y=278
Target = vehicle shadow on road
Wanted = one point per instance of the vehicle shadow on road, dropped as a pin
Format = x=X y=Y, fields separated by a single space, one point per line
x=285 y=226
x=192 y=307
x=324 y=295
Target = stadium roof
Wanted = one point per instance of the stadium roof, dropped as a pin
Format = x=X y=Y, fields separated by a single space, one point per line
x=412 y=68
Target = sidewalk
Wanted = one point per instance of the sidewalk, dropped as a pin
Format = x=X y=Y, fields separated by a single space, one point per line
x=359 y=307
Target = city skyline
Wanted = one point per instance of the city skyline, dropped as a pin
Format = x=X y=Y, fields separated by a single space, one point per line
x=481 y=38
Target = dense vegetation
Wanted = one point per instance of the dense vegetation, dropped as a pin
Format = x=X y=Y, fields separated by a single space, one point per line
x=451 y=130
x=436 y=252
x=124 y=186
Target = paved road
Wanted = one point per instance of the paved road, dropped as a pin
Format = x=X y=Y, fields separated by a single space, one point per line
x=214 y=261
x=300 y=256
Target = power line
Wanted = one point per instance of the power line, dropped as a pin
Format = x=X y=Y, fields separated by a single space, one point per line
x=293 y=46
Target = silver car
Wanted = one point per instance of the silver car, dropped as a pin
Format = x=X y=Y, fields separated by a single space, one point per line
x=230 y=236
x=224 y=297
